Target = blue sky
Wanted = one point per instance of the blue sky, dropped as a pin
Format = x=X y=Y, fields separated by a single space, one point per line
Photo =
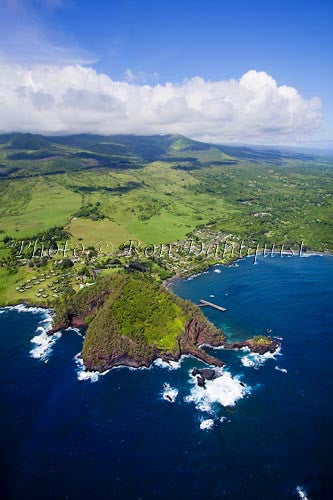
x=156 y=42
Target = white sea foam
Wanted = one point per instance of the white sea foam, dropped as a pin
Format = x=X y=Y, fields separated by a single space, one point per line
x=255 y=360
x=170 y=365
x=72 y=329
x=46 y=320
x=83 y=373
x=217 y=271
x=195 y=275
x=224 y=390
x=169 y=393
x=207 y=424
x=212 y=295
x=24 y=308
x=131 y=368
x=283 y=370
x=302 y=493
x=43 y=342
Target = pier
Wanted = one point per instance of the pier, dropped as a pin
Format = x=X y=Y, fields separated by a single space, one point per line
x=206 y=303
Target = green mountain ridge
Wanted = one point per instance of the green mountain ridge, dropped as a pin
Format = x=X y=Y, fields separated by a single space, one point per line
x=25 y=154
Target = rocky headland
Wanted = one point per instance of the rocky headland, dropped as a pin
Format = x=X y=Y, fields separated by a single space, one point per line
x=132 y=320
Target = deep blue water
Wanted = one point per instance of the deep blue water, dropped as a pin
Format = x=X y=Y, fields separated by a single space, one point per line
x=118 y=438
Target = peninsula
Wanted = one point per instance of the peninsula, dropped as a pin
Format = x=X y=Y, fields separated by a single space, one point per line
x=132 y=320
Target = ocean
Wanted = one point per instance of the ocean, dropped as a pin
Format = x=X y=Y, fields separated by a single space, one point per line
x=263 y=430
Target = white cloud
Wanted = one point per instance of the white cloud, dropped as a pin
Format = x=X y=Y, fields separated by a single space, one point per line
x=73 y=98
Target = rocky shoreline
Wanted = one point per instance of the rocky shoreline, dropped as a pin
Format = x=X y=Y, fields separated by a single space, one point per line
x=106 y=346
x=91 y=309
x=197 y=334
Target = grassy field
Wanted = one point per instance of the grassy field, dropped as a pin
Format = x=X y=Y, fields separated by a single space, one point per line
x=161 y=208
x=31 y=206
x=93 y=233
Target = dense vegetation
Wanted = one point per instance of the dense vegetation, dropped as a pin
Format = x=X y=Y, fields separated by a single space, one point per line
x=129 y=316
x=139 y=306
x=279 y=204
x=144 y=310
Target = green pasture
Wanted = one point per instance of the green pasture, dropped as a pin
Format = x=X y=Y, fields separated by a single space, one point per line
x=96 y=233
x=30 y=206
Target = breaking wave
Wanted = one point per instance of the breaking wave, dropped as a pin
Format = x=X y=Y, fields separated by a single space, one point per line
x=170 y=365
x=302 y=493
x=169 y=393
x=207 y=424
x=189 y=278
x=283 y=370
x=225 y=390
x=84 y=374
x=255 y=360
x=73 y=329
x=43 y=343
x=24 y=308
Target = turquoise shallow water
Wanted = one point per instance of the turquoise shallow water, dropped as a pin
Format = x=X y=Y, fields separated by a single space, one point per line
x=117 y=437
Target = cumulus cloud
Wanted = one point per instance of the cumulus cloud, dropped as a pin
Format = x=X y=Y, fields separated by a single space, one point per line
x=66 y=99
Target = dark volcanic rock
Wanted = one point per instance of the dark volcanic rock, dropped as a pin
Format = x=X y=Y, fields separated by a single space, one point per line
x=73 y=322
x=206 y=373
x=199 y=331
x=203 y=375
x=271 y=346
x=259 y=347
x=201 y=382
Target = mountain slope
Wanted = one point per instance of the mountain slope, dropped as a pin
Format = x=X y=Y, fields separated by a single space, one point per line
x=23 y=155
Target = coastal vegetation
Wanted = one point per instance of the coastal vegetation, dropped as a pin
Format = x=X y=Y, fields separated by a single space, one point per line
x=145 y=311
